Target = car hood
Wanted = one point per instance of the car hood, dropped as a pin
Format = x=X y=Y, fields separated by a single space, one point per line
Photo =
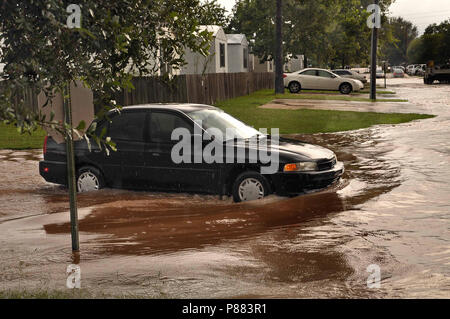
x=311 y=151
x=298 y=150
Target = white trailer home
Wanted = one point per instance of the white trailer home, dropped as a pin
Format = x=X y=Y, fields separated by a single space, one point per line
x=215 y=62
x=257 y=66
x=238 y=58
x=294 y=63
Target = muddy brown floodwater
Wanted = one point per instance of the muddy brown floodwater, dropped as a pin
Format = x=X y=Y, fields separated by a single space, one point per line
x=390 y=209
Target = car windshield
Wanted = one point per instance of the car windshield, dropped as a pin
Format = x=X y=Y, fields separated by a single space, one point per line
x=225 y=123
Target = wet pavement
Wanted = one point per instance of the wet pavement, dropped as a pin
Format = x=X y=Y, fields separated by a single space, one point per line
x=337 y=105
x=390 y=209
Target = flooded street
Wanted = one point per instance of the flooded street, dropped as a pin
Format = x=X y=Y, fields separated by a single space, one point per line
x=391 y=209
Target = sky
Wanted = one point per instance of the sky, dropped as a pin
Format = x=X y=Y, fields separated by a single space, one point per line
x=420 y=12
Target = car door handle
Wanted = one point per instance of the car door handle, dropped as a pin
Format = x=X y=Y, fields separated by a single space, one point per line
x=156 y=154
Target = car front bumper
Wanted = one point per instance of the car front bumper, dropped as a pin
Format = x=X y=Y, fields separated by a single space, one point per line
x=292 y=183
x=53 y=172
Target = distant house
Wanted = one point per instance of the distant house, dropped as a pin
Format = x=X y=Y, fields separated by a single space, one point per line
x=257 y=66
x=294 y=63
x=237 y=53
x=215 y=62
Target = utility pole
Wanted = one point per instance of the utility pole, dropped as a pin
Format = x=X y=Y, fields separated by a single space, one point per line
x=71 y=171
x=279 y=85
x=373 y=60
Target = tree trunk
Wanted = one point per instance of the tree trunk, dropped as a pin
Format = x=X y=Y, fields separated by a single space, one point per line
x=279 y=85
x=71 y=172
x=373 y=61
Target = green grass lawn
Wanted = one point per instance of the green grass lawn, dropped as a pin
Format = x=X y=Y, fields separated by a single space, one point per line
x=303 y=95
x=305 y=121
x=246 y=109
x=10 y=138
x=365 y=91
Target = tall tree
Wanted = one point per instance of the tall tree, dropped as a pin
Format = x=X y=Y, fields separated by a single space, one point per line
x=330 y=32
x=436 y=43
x=279 y=86
x=303 y=24
x=404 y=32
x=433 y=45
x=210 y=12
x=45 y=49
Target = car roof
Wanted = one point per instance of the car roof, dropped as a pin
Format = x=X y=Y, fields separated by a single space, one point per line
x=314 y=69
x=184 y=107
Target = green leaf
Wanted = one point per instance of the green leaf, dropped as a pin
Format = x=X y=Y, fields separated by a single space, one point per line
x=81 y=126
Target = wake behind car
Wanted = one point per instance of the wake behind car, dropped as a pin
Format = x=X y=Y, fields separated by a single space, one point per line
x=145 y=156
x=320 y=79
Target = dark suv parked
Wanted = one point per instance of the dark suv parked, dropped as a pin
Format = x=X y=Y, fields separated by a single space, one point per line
x=144 y=160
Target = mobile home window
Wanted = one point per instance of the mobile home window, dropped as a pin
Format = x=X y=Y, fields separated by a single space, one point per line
x=245 y=58
x=222 y=55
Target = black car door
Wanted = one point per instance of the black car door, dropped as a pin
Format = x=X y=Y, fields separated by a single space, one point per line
x=127 y=129
x=160 y=169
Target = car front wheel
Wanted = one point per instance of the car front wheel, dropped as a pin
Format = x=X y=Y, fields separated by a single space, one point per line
x=89 y=179
x=249 y=186
x=345 y=88
x=294 y=87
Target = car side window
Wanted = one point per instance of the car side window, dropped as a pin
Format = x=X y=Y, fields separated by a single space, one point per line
x=163 y=123
x=325 y=74
x=309 y=72
x=128 y=126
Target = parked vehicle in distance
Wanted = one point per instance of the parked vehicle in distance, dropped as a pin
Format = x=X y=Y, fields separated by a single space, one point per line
x=398 y=73
x=380 y=74
x=421 y=69
x=415 y=69
x=144 y=158
x=410 y=69
x=437 y=73
x=320 y=79
x=350 y=74
x=399 y=67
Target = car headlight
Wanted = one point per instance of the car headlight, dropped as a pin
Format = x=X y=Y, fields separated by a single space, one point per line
x=300 y=167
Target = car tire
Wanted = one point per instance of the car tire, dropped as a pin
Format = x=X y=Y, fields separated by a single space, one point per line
x=89 y=179
x=345 y=88
x=248 y=186
x=294 y=87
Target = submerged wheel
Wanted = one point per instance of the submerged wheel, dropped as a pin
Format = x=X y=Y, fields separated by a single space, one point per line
x=294 y=87
x=345 y=88
x=249 y=186
x=89 y=179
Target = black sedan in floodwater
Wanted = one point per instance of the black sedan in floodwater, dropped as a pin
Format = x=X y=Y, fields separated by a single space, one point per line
x=153 y=154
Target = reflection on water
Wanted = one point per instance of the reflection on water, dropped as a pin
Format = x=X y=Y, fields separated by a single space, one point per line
x=390 y=209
